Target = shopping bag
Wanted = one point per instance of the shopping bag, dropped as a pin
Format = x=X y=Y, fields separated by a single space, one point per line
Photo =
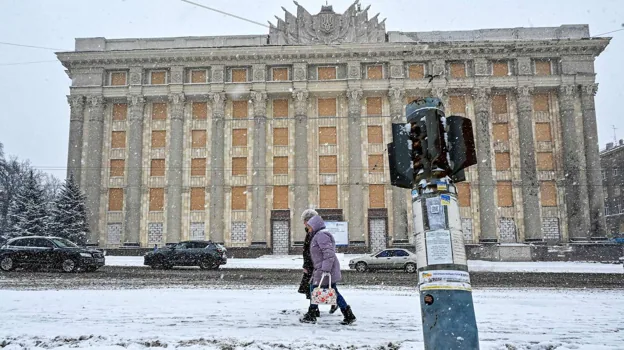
x=324 y=295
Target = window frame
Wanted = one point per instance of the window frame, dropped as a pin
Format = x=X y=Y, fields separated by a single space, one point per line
x=450 y=71
x=423 y=64
x=288 y=73
x=367 y=66
x=149 y=76
x=110 y=78
x=190 y=76
x=508 y=62
x=231 y=75
x=326 y=66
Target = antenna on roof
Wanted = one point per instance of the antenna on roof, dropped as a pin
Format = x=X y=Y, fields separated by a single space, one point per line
x=614 y=135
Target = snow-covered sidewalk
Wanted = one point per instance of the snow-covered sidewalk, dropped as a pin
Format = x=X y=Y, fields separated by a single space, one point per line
x=295 y=262
x=268 y=319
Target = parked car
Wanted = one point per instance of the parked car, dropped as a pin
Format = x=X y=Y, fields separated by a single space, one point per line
x=622 y=261
x=205 y=254
x=48 y=252
x=388 y=259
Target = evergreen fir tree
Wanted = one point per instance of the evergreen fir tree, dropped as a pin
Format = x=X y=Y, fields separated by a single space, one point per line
x=28 y=212
x=69 y=214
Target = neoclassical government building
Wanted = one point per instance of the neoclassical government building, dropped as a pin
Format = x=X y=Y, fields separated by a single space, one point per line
x=230 y=138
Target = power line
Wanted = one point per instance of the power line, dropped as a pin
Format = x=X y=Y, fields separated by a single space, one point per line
x=226 y=13
x=24 y=63
x=32 y=46
x=613 y=31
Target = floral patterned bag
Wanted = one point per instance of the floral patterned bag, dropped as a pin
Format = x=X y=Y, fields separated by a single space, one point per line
x=324 y=295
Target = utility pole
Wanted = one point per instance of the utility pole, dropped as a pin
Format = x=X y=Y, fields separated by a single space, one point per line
x=428 y=155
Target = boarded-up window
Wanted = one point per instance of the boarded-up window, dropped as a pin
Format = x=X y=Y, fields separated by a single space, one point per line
x=374 y=72
x=416 y=71
x=158 y=78
x=326 y=73
x=500 y=69
x=157 y=167
x=118 y=78
x=327 y=107
x=159 y=111
x=545 y=161
x=156 y=199
x=198 y=138
x=239 y=198
x=375 y=134
x=543 y=67
x=540 y=103
x=457 y=104
x=198 y=198
x=120 y=111
x=239 y=137
x=375 y=163
x=280 y=108
x=198 y=76
x=458 y=70
x=239 y=75
x=280 y=137
x=159 y=138
x=499 y=104
x=505 y=194
x=198 y=167
x=548 y=191
x=115 y=199
x=328 y=195
x=327 y=135
x=328 y=165
x=503 y=161
x=240 y=109
x=280 y=74
x=199 y=110
x=239 y=166
x=117 y=167
x=500 y=132
x=373 y=106
x=376 y=196
x=542 y=132
x=280 y=197
x=118 y=139
x=463 y=194
x=280 y=165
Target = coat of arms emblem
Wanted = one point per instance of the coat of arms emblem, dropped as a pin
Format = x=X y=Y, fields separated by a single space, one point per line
x=327 y=22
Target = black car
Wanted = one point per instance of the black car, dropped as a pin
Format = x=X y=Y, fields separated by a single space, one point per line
x=205 y=254
x=48 y=252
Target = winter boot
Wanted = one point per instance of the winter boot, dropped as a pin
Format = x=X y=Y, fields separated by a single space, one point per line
x=349 y=317
x=333 y=309
x=310 y=316
x=317 y=313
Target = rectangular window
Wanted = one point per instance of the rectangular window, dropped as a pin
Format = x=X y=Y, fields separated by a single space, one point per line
x=458 y=69
x=616 y=191
x=239 y=166
x=499 y=104
x=118 y=139
x=548 y=191
x=156 y=199
x=505 y=194
x=328 y=195
x=117 y=167
x=328 y=165
x=239 y=75
x=280 y=165
x=376 y=196
x=159 y=111
x=375 y=134
x=545 y=161
x=198 y=167
x=327 y=107
x=542 y=132
x=158 y=77
x=416 y=71
x=240 y=109
x=118 y=79
x=540 y=103
x=280 y=197
x=280 y=108
x=375 y=163
x=463 y=194
x=615 y=171
x=327 y=135
x=374 y=72
x=115 y=199
x=159 y=138
x=239 y=198
x=326 y=73
x=198 y=138
x=500 y=69
x=120 y=111
x=373 y=106
x=239 y=138
x=280 y=137
x=157 y=167
x=198 y=199
x=199 y=76
x=199 y=110
x=503 y=161
x=500 y=132
x=458 y=105
x=279 y=74
x=604 y=174
x=543 y=67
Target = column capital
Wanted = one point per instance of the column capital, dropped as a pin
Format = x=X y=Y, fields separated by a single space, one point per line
x=177 y=106
x=259 y=99
x=76 y=101
x=218 y=104
x=567 y=90
x=136 y=101
x=524 y=91
x=177 y=98
x=441 y=93
x=354 y=96
x=96 y=101
x=300 y=96
x=396 y=96
x=482 y=98
x=589 y=89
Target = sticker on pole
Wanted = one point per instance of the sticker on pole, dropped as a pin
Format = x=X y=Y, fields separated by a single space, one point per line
x=445 y=199
x=444 y=280
x=442 y=186
x=439 y=247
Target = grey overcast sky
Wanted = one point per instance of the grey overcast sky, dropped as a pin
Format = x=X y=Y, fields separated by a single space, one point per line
x=34 y=118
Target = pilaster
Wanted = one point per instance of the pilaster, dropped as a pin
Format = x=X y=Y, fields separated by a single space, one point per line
x=76 y=129
x=93 y=164
x=399 y=204
x=258 y=179
x=217 y=182
x=356 y=189
x=174 y=168
x=133 y=191
x=300 y=99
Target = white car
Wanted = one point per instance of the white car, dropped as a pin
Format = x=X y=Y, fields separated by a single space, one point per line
x=387 y=259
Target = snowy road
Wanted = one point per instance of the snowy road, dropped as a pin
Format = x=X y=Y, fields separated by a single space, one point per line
x=536 y=319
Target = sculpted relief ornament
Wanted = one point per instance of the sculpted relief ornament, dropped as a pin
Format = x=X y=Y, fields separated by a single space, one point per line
x=301 y=102
x=260 y=103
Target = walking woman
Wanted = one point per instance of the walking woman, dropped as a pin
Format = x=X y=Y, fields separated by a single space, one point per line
x=323 y=253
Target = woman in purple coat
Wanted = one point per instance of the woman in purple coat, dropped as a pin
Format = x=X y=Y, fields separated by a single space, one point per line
x=323 y=252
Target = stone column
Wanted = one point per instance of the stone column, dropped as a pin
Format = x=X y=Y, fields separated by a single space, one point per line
x=133 y=191
x=597 y=228
x=528 y=170
x=93 y=164
x=399 y=201
x=76 y=121
x=258 y=179
x=217 y=181
x=356 y=189
x=300 y=98
x=174 y=169
x=486 y=185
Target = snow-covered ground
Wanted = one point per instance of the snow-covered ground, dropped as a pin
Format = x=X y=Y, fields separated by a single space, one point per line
x=295 y=262
x=267 y=318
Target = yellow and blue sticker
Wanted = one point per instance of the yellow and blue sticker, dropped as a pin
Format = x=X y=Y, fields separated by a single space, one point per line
x=445 y=199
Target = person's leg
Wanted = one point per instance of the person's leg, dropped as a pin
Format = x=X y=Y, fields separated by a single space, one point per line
x=342 y=303
x=312 y=306
x=349 y=317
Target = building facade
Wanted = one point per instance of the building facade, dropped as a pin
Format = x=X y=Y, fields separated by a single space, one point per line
x=611 y=162
x=231 y=138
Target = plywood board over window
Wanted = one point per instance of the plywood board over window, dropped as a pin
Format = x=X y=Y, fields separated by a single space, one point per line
x=280 y=197
x=545 y=161
x=157 y=167
x=280 y=165
x=118 y=139
x=240 y=109
x=416 y=71
x=500 y=132
x=463 y=194
x=375 y=134
x=500 y=68
x=199 y=76
x=159 y=138
x=458 y=105
x=374 y=72
x=199 y=110
x=503 y=161
x=458 y=70
x=327 y=135
x=328 y=196
x=280 y=108
x=280 y=74
x=115 y=199
x=120 y=111
x=156 y=199
x=376 y=196
x=504 y=194
x=373 y=106
x=326 y=73
x=239 y=138
x=328 y=165
x=327 y=107
x=499 y=104
x=198 y=138
x=239 y=198
x=198 y=167
x=280 y=137
x=543 y=67
x=198 y=199
x=117 y=167
x=541 y=103
x=159 y=111
x=548 y=193
x=158 y=77
x=542 y=132
x=239 y=166
x=239 y=75
x=375 y=163
x=118 y=78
